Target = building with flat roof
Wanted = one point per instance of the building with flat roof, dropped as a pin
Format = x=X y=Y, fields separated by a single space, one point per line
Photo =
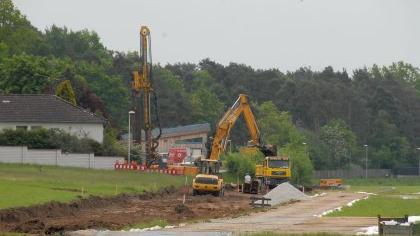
x=194 y=137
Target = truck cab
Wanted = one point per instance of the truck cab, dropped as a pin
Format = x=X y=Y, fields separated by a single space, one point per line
x=274 y=171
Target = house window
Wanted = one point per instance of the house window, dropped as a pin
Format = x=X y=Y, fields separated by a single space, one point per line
x=21 y=127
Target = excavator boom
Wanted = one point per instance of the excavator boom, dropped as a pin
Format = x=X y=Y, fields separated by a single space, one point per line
x=241 y=106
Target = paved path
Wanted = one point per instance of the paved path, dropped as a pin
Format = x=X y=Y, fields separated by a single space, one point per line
x=296 y=217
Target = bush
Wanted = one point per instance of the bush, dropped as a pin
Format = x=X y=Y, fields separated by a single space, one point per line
x=240 y=163
x=302 y=169
x=58 y=139
x=110 y=146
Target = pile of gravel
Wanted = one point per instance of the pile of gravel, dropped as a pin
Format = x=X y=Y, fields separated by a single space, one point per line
x=284 y=193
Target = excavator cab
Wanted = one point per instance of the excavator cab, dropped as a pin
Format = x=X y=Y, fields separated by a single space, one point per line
x=208 y=166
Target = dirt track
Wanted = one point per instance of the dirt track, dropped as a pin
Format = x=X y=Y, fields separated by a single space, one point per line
x=116 y=212
x=297 y=217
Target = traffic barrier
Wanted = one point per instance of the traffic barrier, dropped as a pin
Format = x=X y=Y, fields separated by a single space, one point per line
x=172 y=170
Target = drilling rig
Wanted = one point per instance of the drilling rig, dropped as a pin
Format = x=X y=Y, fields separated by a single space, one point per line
x=143 y=95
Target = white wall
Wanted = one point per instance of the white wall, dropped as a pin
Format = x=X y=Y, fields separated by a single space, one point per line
x=93 y=131
x=23 y=155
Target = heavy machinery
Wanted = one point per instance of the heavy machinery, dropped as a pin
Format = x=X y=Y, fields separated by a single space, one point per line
x=274 y=171
x=143 y=94
x=209 y=167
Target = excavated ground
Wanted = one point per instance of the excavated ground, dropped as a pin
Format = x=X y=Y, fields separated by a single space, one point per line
x=113 y=213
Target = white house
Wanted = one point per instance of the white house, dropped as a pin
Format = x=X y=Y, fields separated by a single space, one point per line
x=36 y=111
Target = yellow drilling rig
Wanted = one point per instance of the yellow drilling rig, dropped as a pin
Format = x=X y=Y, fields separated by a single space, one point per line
x=143 y=95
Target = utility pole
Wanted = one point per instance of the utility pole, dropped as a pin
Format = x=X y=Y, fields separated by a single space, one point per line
x=366 y=161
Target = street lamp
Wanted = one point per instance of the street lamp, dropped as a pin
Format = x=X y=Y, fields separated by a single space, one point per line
x=306 y=149
x=129 y=136
x=366 y=161
x=230 y=145
x=418 y=173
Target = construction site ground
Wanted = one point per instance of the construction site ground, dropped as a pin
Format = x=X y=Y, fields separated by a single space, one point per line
x=231 y=213
x=295 y=217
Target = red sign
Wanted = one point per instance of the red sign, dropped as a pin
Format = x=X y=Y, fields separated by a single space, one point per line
x=177 y=155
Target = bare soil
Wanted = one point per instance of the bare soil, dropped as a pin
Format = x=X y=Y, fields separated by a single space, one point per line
x=114 y=213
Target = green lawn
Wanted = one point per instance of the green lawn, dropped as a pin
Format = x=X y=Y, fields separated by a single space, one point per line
x=23 y=185
x=389 y=200
x=384 y=205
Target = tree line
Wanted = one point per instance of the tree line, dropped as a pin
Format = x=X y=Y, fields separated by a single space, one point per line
x=327 y=116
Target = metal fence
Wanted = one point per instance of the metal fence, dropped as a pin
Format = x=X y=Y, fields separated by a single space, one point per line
x=352 y=173
x=403 y=171
x=21 y=154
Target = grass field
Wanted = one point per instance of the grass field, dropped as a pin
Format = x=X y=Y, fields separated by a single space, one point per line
x=394 y=197
x=23 y=185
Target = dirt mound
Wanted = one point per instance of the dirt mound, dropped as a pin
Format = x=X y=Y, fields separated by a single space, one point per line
x=31 y=219
x=116 y=212
x=183 y=209
x=34 y=226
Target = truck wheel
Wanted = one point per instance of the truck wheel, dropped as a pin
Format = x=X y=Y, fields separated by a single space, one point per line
x=194 y=192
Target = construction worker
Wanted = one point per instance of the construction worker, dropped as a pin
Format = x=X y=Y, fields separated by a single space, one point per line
x=247 y=179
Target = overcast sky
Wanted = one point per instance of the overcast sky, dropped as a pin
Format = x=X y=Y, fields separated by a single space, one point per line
x=284 y=34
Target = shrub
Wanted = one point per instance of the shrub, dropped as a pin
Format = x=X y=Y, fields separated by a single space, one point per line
x=240 y=163
x=58 y=139
x=302 y=169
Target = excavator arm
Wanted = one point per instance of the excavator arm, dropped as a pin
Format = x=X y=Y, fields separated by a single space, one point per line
x=241 y=106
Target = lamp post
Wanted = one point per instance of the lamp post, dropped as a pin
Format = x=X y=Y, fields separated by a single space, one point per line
x=418 y=172
x=129 y=136
x=366 y=161
x=230 y=145
x=306 y=149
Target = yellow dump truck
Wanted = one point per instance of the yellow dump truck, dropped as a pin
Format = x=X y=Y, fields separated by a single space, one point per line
x=274 y=171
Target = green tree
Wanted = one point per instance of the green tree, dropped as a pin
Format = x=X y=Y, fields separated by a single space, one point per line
x=302 y=169
x=17 y=32
x=390 y=148
x=239 y=164
x=340 y=142
x=206 y=107
x=276 y=127
x=25 y=74
x=66 y=92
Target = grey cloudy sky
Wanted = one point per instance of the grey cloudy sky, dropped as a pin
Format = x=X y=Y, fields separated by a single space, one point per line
x=284 y=34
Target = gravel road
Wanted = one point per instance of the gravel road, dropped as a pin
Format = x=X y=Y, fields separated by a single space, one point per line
x=292 y=218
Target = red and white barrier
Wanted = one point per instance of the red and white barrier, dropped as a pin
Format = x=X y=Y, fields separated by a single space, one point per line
x=135 y=166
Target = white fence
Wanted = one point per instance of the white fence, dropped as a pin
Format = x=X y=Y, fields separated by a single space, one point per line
x=21 y=154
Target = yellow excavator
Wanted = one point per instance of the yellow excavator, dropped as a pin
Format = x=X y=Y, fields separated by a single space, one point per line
x=273 y=170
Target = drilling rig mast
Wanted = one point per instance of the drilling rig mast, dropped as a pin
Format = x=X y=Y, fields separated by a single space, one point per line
x=143 y=90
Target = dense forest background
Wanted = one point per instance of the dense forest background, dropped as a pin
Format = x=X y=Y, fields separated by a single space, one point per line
x=327 y=116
